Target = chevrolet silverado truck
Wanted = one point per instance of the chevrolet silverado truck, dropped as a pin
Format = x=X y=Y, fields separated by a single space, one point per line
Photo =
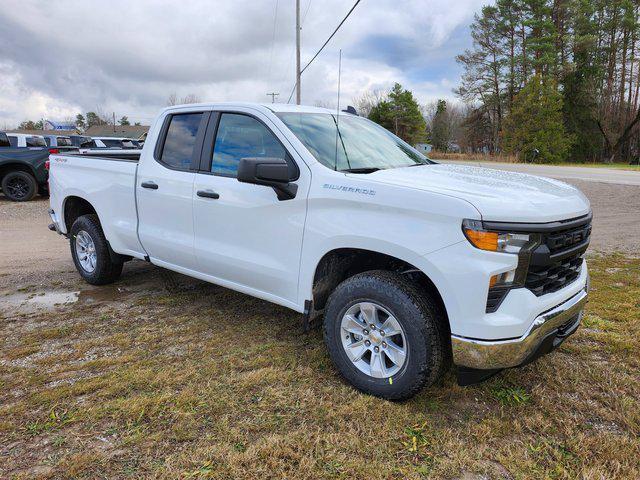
x=413 y=265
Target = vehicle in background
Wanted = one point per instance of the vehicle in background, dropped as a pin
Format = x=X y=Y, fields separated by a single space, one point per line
x=414 y=265
x=59 y=143
x=22 y=140
x=23 y=171
x=84 y=141
x=117 y=142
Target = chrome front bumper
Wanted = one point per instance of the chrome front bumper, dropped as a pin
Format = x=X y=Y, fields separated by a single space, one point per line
x=559 y=322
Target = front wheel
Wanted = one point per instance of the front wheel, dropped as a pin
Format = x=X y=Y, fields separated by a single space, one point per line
x=90 y=252
x=385 y=335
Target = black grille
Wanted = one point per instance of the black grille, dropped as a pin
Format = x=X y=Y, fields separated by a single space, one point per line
x=543 y=279
x=558 y=260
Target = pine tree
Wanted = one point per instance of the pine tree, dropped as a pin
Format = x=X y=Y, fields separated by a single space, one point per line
x=400 y=114
x=534 y=130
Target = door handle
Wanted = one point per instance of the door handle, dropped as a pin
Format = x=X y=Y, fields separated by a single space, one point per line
x=151 y=185
x=208 y=194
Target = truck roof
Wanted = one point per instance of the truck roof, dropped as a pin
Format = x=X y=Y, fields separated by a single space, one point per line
x=274 y=107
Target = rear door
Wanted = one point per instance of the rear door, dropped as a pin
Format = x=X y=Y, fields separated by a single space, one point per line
x=244 y=236
x=165 y=190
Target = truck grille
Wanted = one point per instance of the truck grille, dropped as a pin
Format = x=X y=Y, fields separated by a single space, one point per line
x=543 y=279
x=557 y=261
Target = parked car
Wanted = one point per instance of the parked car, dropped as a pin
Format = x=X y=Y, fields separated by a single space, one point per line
x=117 y=142
x=23 y=171
x=21 y=140
x=415 y=265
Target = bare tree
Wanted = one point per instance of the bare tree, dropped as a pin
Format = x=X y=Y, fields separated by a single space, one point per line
x=369 y=99
x=174 y=100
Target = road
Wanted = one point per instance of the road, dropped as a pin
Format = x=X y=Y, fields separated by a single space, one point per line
x=602 y=175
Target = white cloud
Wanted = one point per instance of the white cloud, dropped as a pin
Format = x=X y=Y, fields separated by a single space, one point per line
x=69 y=56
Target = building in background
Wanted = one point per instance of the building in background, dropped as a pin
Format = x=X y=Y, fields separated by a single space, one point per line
x=423 y=148
x=57 y=126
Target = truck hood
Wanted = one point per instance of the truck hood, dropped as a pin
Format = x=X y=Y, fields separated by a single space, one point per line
x=497 y=194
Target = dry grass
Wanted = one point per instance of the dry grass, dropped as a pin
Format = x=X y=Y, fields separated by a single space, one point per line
x=207 y=383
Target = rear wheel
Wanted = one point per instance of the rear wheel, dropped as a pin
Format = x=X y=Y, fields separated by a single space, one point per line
x=19 y=186
x=385 y=335
x=90 y=252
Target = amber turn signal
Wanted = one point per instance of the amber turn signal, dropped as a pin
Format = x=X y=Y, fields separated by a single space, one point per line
x=482 y=240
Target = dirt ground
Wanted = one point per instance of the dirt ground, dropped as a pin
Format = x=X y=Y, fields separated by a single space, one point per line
x=162 y=376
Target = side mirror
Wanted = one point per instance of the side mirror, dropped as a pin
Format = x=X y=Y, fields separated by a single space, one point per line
x=271 y=172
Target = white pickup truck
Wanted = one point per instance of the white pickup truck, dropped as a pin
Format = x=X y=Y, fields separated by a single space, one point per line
x=414 y=265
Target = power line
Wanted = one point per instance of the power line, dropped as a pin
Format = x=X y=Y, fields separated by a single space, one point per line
x=324 y=45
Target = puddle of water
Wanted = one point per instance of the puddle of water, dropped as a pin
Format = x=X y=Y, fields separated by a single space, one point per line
x=31 y=302
x=103 y=294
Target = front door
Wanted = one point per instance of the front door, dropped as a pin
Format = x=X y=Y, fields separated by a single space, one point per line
x=244 y=235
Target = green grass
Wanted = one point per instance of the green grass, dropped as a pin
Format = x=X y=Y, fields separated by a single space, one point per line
x=214 y=384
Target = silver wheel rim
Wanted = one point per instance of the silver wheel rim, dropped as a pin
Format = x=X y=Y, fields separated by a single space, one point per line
x=373 y=340
x=86 y=251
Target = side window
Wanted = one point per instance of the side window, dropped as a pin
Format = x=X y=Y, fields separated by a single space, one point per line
x=180 y=141
x=238 y=137
x=4 y=140
x=13 y=140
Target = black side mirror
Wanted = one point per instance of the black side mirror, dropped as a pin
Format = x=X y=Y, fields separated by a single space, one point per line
x=271 y=172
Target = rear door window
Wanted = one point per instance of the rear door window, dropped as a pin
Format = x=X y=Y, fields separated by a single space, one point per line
x=13 y=140
x=64 y=141
x=180 y=140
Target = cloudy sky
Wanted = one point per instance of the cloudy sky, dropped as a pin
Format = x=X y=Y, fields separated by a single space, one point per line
x=68 y=56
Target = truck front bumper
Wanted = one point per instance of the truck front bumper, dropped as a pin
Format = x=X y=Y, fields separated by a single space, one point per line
x=547 y=331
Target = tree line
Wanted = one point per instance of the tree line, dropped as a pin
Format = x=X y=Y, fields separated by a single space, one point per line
x=544 y=80
x=556 y=78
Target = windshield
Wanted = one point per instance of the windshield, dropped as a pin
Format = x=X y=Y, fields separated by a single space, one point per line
x=358 y=144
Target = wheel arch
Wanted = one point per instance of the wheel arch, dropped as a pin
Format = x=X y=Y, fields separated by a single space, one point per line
x=16 y=167
x=338 y=264
x=73 y=207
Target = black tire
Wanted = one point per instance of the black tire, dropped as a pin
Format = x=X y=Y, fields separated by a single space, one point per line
x=428 y=353
x=19 y=186
x=106 y=270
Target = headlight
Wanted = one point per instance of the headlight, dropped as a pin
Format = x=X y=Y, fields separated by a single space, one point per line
x=521 y=244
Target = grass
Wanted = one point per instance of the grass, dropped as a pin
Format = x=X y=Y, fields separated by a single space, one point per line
x=476 y=157
x=208 y=383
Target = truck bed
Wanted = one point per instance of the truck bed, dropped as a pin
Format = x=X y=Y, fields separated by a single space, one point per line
x=108 y=179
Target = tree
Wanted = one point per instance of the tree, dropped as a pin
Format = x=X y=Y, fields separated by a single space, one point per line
x=29 y=125
x=80 y=122
x=441 y=128
x=400 y=114
x=174 y=100
x=124 y=121
x=95 y=119
x=534 y=130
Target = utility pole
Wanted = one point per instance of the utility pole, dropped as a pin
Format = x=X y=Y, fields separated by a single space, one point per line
x=273 y=96
x=297 y=52
x=114 y=122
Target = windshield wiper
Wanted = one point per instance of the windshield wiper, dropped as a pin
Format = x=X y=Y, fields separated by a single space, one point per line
x=360 y=170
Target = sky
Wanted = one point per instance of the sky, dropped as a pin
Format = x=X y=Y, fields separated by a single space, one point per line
x=69 y=56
